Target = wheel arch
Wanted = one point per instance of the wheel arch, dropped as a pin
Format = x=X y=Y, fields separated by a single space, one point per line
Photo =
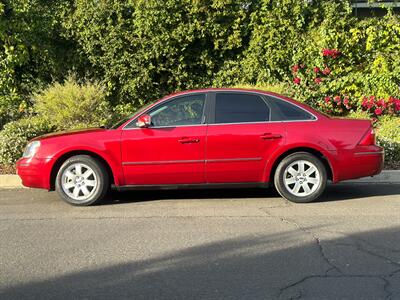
x=317 y=153
x=61 y=159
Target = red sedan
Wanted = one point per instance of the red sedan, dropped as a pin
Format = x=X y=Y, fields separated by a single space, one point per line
x=206 y=138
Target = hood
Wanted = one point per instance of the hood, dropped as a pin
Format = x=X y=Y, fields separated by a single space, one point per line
x=69 y=132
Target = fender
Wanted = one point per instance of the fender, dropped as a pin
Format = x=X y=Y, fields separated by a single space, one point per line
x=286 y=149
x=112 y=163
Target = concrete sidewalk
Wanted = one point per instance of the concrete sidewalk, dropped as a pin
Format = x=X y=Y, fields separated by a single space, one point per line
x=387 y=176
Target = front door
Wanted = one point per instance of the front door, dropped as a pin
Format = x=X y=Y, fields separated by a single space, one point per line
x=172 y=149
x=240 y=138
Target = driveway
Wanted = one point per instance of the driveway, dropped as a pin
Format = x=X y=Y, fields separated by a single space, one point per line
x=216 y=244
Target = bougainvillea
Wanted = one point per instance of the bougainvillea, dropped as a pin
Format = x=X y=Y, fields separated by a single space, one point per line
x=378 y=107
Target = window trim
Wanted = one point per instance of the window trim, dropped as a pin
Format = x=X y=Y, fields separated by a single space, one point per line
x=203 y=116
x=209 y=111
x=277 y=112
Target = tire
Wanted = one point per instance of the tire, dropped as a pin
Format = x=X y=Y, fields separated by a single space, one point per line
x=297 y=186
x=82 y=180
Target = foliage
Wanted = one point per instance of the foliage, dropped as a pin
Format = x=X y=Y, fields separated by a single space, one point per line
x=358 y=114
x=275 y=88
x=389 y=128
x=358 y=60
x=146 y=49
x=379 y=107
x=136 y=51
x=72 y=105
x=32 y=52
x=389 y=137
x=16 y=134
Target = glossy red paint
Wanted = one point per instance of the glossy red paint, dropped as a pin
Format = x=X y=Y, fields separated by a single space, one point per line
x=169 y=155
x=208 y=153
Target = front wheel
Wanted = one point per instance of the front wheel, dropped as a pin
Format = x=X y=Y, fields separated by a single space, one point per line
x=300 y=177
x=82 y=180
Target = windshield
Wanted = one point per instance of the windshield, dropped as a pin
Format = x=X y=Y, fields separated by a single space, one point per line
x=119 y=123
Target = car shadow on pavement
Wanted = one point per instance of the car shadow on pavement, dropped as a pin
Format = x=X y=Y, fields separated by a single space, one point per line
x=334 y=192
x=186 y=194
x=290 y=264
x=349 y=191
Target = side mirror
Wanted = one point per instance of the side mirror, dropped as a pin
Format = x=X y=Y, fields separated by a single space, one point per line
x=143 y=121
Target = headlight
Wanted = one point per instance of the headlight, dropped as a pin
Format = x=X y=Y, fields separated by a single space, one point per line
x=31 y=149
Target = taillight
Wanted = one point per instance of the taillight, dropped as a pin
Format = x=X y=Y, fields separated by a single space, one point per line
x=368 y=138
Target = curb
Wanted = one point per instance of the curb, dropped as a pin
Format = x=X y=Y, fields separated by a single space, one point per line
x=387 y=176
x=10 y=181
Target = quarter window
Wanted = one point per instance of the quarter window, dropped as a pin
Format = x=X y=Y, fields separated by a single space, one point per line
x=289 y=112
x=240 y=108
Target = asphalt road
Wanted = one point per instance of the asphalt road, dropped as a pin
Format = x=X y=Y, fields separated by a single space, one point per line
x=218 y=244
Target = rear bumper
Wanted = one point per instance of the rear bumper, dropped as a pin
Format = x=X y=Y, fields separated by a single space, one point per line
x=360 y=162
x=35 y=172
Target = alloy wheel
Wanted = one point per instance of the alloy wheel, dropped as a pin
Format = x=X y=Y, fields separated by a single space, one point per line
x=301 y=178
x=79 y=181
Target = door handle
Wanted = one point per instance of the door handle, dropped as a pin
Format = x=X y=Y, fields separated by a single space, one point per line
x=186 y=140
x=270 y=136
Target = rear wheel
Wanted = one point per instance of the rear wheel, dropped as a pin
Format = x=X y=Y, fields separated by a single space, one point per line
x=300 y=177
x=82 y=180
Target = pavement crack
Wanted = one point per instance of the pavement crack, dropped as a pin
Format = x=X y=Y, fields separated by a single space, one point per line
x=313 y=235
x=332 y=267
x=386 y=283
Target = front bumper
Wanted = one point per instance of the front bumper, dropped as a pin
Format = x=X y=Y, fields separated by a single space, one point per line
x=35 y=172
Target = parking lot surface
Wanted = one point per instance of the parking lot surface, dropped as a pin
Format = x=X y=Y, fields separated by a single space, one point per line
x=202 y=244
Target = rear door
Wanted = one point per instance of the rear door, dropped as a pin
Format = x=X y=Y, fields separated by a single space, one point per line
x=240 y=137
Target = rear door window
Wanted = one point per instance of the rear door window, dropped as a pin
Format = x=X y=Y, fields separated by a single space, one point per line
x=240 y=108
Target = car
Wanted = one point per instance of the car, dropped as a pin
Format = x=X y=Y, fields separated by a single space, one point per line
x=209 y=138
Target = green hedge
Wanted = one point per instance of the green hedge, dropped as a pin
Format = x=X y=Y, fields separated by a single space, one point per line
x=15 y=135
x=129 y=53
x=388 y=136
x=141 y=50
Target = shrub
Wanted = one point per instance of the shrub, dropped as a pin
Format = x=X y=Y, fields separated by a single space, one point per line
x=378 y=107
x=72 y=105
x=15 y=135
x=388 y=136
x=275 y=88
x=358 y=114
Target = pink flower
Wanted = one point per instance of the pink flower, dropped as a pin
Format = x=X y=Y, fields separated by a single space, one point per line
x=295 y=68
x=327 y=99
x=331 y=52
x=317 y=80
x=326 y=52
x=296 y=80
x=336 y=99
x=364 y=102
x=326 y=71
x=381 y=103
x=378 y=111
x=316 y=70
x=397 y=105
x=346 y=101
